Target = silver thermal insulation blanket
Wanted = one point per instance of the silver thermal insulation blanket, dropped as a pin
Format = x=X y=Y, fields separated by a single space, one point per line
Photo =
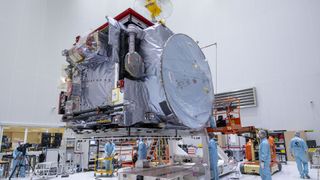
x=97 y=83
x=136 y=95
x=144 y=96
x=97 y=72
x=151 y=51
x=177 y=87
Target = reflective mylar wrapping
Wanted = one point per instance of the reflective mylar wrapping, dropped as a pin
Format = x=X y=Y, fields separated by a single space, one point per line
x=151 y=51
x=178 y=83
x=144 y=97
x=97 y=83
x=97 y=71
x=136 y=95
x=175 y=88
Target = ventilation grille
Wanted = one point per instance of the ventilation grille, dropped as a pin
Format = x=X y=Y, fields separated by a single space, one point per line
x=247 y=97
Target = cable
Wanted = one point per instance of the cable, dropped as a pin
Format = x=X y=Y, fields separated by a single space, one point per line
x=216 y=73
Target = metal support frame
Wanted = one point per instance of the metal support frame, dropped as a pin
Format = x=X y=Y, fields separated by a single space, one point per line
x=134 y=133
x=1 y=136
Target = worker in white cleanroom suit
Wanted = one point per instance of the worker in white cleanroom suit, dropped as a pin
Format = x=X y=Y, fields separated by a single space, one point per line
x=299 y=150
x=264 y=156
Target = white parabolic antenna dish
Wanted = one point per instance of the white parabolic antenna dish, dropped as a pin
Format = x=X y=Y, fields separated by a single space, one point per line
x=187 y=81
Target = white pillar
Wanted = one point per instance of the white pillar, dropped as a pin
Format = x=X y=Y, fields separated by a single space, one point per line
x=25 y=135
x=1 y=136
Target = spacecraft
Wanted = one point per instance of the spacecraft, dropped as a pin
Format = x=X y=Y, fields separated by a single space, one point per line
x=134 y=72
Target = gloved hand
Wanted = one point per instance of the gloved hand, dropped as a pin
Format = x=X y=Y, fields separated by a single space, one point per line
x=262 y=165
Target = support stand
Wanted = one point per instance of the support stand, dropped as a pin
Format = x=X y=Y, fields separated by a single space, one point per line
x=20 y=164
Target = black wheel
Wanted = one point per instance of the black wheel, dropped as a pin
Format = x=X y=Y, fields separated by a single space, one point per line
x=242 y=168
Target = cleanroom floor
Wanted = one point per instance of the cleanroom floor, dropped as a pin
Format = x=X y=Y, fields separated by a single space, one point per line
x=289 y=172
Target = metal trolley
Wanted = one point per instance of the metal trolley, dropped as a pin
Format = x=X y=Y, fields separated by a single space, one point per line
x=101 y=169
